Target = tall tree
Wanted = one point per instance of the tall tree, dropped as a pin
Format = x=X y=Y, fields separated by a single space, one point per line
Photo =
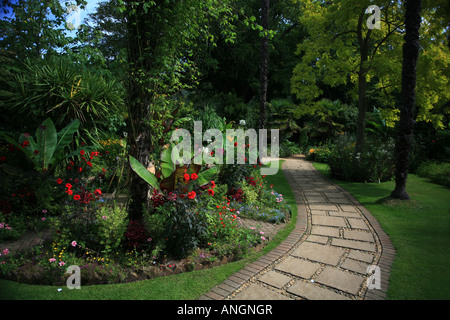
x=32 y=29
x=263 y=63
x=406 y=124
x=342 y=50
x=161 y=46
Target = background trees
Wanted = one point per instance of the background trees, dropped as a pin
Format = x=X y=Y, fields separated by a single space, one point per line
x=405 y=132
x=138 y=67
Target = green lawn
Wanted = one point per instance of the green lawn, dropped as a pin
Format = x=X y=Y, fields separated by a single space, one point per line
x=419 y=230
x=185 y=286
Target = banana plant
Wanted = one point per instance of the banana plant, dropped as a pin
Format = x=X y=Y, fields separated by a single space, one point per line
x=172 y=173
x=48 y=148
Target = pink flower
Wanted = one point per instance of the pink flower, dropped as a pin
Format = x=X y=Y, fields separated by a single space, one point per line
x=52 y=260
x=43 y=219
x=74 y=243
x=44 y=211
x=62 y=263
x=149 y=239
x=263 y=239
x=6 y=251
x=104 y=217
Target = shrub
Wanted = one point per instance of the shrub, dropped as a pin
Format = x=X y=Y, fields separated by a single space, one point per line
x=112 y=224
x=318 y=154
x=436 y=172
x=374 y=164
x=176 y=225
x=288 y=148
x=135 y=235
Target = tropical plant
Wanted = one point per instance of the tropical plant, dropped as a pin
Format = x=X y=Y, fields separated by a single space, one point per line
x=283 y=116
x=173 y=172
x=48 y=149
x=65 y=91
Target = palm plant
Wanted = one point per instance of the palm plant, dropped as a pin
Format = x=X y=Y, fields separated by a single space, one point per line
x=63 y=91
x=283 y=116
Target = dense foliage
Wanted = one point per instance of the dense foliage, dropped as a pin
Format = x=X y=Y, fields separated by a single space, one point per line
x=87 y=120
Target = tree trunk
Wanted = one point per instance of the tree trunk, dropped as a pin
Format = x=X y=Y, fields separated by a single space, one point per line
x=138 y=100
x=362 y=108
x=406 y=123
x=263 y=64
x=362 y=84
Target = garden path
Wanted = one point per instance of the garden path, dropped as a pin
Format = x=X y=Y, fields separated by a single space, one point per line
x=336 y=251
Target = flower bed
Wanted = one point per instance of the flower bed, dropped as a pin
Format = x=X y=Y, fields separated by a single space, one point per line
x=192 y=219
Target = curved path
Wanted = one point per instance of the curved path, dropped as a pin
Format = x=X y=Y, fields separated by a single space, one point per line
x=336 y=251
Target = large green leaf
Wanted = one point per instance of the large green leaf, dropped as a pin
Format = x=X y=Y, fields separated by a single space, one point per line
x=65 y=136
x=206 y=176
x=144 y=173
x=167 y=165
x=46 y=143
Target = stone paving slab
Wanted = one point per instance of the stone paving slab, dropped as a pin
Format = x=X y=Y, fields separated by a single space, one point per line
x=255 y=292
x=318 y=239
x=361 y=256
x=328 y=221
x=275 y=279
x=324 y=207
x=297 y=267
x=325 y=231
x=327 y=255
x=320 y=253
x=355 y=266
x=340 y=280
x=310 y=291
x=358 y=235
x=354 y=244
x=358 y=224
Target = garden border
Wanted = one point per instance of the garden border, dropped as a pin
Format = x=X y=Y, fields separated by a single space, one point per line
x=387 y=254
x=296 y=236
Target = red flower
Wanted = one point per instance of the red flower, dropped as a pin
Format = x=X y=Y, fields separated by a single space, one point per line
x=69 y=192
x=213 y=184
x=76 y=197
x=59 y=181
x=186 y=177
x=89 y=164
x=191 y=195
x=82 y=152
x=80 y=169
x=98 y=191
x=25 y=144
x=235 y=144
x=211 y=192
x=68 y=186
x=194 y=176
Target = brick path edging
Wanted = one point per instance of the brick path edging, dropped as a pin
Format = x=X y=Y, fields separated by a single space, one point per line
x=302 y=229
x=387 y=255
x=239 y=278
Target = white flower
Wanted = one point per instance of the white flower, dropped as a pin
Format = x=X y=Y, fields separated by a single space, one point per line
x=242 y=122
